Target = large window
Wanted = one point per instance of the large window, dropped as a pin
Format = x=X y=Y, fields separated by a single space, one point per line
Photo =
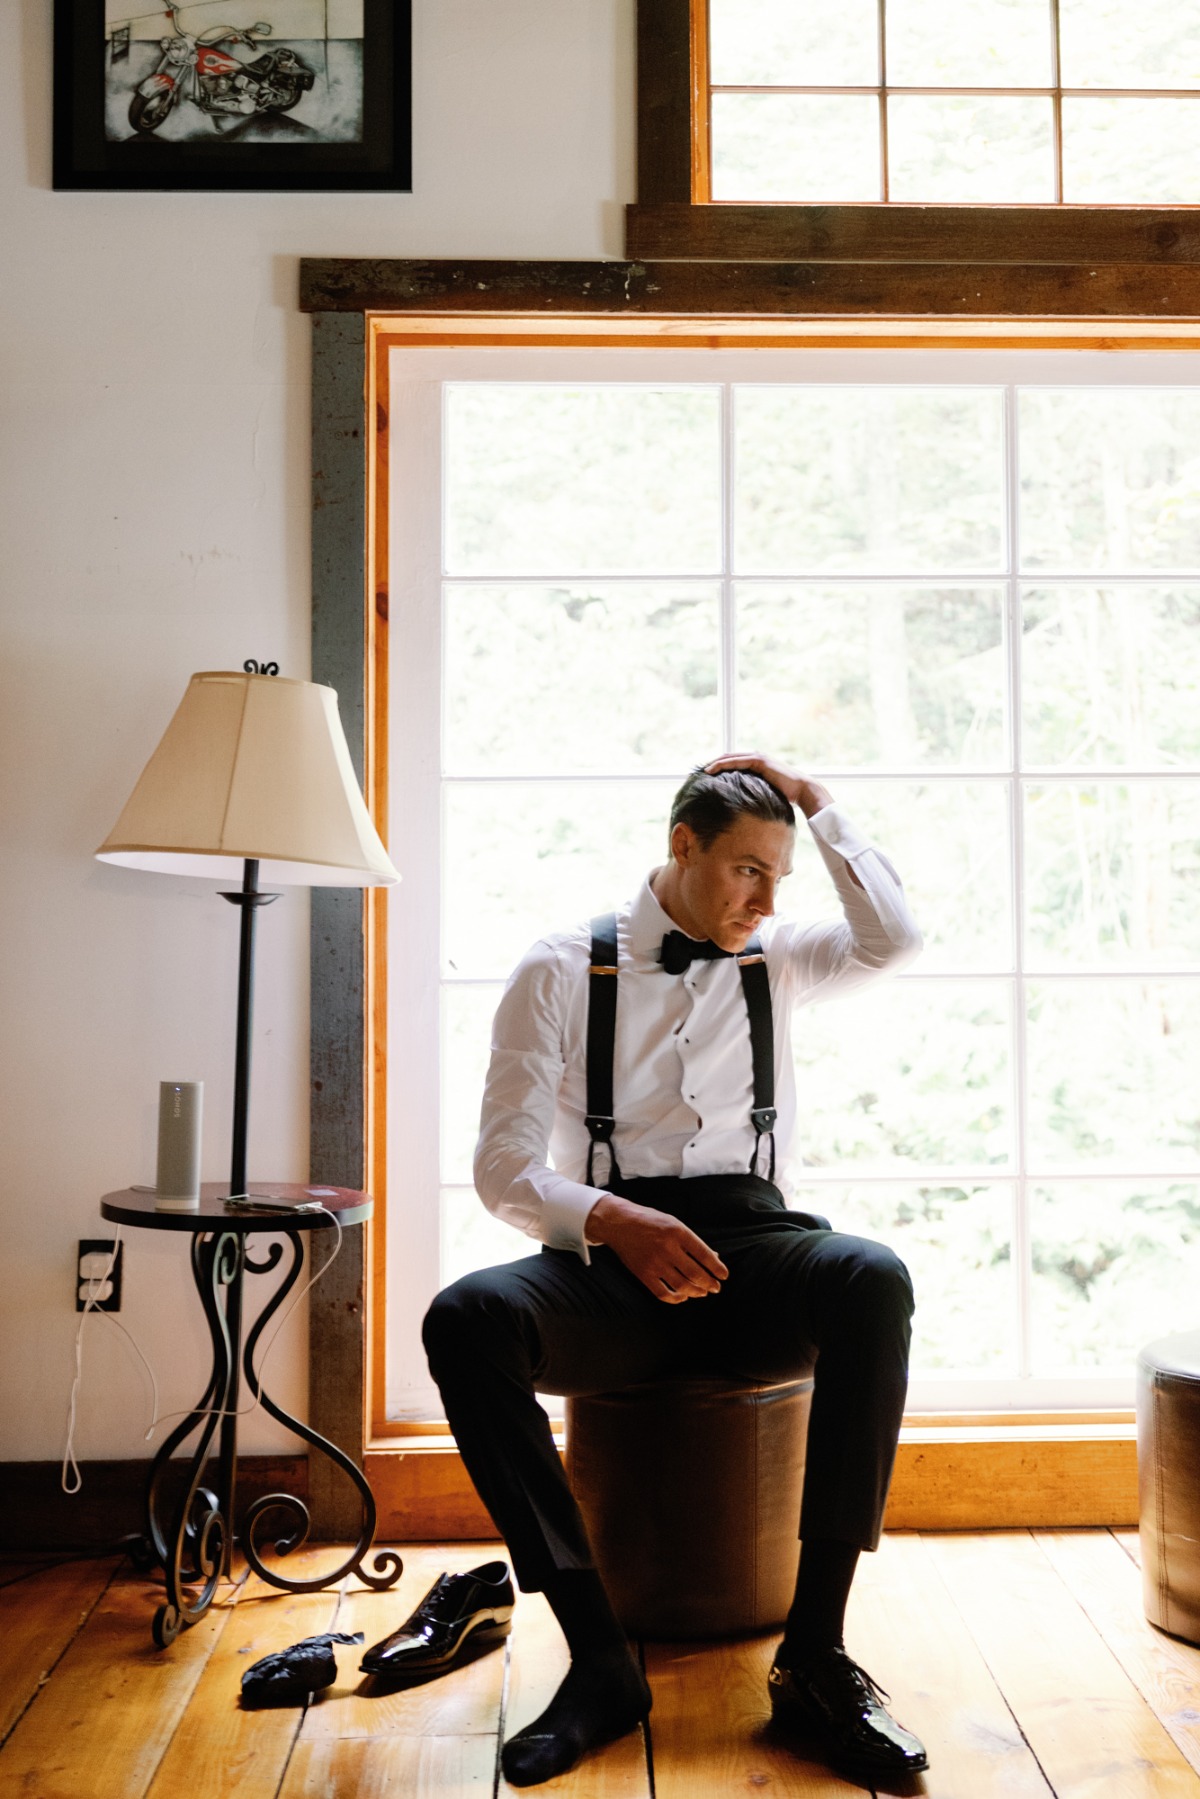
x=963 y=591
x=1091 y=102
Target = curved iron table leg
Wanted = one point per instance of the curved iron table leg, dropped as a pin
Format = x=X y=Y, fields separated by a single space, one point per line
x=156 y=1543
x=387 y=1564
x=197 y=1547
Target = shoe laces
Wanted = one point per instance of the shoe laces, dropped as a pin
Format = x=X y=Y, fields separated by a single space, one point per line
x=437 y=1591
x=857 y=1677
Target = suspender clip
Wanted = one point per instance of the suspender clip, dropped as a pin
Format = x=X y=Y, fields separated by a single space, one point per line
x=763 y=1120
x=600 y=1129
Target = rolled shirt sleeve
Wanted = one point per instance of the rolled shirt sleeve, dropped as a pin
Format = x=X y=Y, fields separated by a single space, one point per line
x=877 y=932
x=512 y=1173
x=880 y=881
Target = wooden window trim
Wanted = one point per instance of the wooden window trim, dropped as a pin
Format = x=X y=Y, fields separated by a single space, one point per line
x=961 y=1471
x=959 y=1475
x=673 y=216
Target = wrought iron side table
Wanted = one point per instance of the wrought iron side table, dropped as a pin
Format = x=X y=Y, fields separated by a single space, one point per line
x=195 y=1548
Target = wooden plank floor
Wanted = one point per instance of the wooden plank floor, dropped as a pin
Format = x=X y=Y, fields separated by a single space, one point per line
x=1021 y=1657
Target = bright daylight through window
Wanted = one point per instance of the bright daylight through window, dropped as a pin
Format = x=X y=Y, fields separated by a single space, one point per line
x=963 y=592
x=1093 y=102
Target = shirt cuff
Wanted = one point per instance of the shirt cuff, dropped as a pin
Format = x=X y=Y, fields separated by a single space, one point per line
x=564 y=1213
x=840 y=832
x=880 y=880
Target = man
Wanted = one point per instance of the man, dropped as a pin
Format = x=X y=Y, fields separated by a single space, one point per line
x=683 y=1254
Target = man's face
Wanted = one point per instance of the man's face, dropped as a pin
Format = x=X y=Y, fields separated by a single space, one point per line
x=729 y=888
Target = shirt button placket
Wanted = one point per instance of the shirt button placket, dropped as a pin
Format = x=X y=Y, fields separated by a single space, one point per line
x=690 y=989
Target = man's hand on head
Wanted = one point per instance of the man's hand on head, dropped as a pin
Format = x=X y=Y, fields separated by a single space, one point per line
x=670 y=1260
x=808 y=795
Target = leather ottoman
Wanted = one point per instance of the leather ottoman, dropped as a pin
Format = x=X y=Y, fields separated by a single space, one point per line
x=1168 y=1433
x=690 y=1490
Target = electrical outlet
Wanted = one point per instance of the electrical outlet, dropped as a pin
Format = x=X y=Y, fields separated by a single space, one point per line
x=89 y=1269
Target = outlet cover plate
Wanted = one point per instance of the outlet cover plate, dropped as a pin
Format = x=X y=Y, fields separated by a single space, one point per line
x=99 y=1246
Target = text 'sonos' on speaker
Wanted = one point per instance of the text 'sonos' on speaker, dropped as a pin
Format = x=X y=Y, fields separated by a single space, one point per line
x=180 y=1105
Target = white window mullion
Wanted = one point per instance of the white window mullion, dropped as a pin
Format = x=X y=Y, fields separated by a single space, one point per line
x=928 y=777
x=414 y=947
x=1022 y=1243
x=728 y=675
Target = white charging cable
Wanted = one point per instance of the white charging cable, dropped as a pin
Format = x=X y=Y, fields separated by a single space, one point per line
x=70 y=1466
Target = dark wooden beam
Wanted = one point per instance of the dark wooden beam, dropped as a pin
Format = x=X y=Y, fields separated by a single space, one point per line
x=754 y=290
x=921 y=234
x=347 y=284
x=338 y=999
x=664 y=101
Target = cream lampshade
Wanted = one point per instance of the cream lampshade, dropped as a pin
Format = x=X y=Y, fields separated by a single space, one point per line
x=252 y=769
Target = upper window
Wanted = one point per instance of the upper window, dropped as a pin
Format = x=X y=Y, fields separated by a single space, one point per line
x=988 y=102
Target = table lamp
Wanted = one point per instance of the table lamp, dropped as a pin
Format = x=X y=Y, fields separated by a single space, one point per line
x=253 y=768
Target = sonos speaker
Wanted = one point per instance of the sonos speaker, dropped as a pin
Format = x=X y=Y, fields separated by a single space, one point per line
x=180 y=1105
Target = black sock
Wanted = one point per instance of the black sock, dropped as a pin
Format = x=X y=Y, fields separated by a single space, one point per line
x=604 y=1693
x=601 y=1698
x=578 y=1600
x=818 y=1613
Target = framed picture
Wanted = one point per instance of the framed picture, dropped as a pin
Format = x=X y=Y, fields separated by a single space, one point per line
x=294 y=95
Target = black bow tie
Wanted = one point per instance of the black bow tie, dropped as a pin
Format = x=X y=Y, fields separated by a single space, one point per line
x=680 y=951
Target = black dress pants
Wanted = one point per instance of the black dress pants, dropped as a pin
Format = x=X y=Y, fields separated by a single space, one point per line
x=549 y=1323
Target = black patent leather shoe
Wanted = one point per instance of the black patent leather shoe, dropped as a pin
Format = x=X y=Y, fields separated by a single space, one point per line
x=836 y=1700
x=460 y=1612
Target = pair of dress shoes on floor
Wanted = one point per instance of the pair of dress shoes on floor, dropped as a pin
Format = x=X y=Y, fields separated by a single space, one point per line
x=825 y=1693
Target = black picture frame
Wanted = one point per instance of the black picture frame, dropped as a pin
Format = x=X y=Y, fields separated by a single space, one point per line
x=352 y=124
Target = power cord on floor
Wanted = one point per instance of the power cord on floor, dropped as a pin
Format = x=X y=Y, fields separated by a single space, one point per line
x=122 y=1546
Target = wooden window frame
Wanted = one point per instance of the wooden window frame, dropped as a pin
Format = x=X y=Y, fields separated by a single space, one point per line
x=953 y=1472
x=997 y=260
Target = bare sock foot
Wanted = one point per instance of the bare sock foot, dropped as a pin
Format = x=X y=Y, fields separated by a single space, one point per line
x=601 y=1698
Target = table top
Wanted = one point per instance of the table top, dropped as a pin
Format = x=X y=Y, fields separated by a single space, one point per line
x=136 y=1206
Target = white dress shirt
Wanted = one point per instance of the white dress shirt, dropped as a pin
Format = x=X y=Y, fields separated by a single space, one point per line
x=682 y=1068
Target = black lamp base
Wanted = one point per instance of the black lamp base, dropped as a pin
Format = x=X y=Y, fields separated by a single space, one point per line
x=249 y=899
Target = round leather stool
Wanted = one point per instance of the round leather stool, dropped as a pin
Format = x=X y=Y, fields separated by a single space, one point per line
x=690 y=1490
x=1168 y=1436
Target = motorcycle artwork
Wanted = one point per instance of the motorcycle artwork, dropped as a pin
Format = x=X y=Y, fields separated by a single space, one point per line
x=202 y=69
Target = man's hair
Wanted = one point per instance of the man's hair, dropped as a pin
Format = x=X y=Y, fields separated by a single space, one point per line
x=712 y=804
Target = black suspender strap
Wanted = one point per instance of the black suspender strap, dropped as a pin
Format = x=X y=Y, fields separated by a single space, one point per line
x=601 y=1040
x=757 y=989
x=602 y=1035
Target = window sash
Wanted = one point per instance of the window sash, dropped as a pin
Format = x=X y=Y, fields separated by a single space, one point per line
x=884 y=90
x=997 y=246
x=415 y=584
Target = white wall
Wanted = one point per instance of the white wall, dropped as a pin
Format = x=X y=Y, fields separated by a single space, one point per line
x=154 y=520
